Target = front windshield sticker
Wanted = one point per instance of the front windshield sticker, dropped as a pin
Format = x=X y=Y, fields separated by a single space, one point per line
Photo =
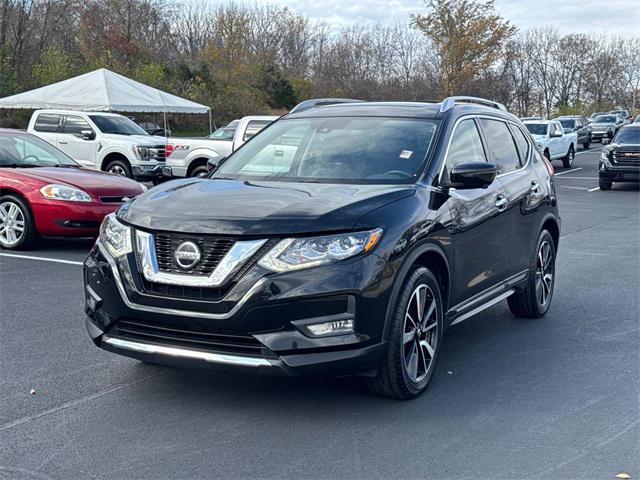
x=406 y=154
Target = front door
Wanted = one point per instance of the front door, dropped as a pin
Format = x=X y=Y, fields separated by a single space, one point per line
x=478 y=227
x=71 y=142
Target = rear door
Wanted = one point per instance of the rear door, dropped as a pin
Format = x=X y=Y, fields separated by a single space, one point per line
x=47 y=126
x=70 y=140
x=478 y=225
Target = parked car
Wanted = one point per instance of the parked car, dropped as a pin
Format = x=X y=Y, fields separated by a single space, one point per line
x=44 y=192
x=605 y=126
x=579 y=126
x=103 y=141
x=553 y=142
x=620 y=159
x=390 y=222
x=188 y=156
x=626 y=117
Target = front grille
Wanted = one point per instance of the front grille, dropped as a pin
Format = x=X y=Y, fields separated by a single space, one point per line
x=188 y=335
x=214 y=294
x=213 y=249
x=619 y=158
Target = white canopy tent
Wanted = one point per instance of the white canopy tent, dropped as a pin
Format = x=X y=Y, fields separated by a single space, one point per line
x=103 y=90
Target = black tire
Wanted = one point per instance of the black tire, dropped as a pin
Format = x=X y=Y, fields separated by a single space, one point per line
x=119 y=167
x=394 y=378
x=29 y=235
x=567 y=160
x=528 y=303
x=199 y=171
x=604 y=184
x=587 y=144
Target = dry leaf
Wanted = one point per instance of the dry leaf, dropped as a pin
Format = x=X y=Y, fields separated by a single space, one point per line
x=624 y=476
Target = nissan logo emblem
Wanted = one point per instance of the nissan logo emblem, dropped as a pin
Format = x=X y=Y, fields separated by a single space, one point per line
x=187 y=255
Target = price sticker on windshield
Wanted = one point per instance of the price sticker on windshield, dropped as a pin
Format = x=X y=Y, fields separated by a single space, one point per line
x=406 y=154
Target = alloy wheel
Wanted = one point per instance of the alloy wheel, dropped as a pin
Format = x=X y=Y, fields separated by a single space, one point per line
x=544 y=274
x=118 y=170
x=420 y=333
x=11 y=224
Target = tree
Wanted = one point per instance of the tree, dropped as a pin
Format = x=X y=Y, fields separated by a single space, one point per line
x=468 y=36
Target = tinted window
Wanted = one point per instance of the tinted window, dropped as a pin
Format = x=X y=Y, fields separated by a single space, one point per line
x=253 y=127
x=47 y=122
x=523 y=144
x=117 y=125
x=334 y=150
x=465 y=147
x=628 y=136
x=75 y=125
x=501 y=144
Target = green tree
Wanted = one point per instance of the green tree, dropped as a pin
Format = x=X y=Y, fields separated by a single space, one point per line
x=468 y=37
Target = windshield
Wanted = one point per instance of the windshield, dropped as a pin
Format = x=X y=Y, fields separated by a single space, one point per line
x=223 y=133
x=117 y=125
x=605 y=119
x=537 y=128
x=620 y=112
x=628 y=136
x=334 y=150
x=29 y=151
x=568 y=124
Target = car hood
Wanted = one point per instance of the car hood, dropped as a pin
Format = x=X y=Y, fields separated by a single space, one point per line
x=91 y=181
x=234 y=207
x=147 y=140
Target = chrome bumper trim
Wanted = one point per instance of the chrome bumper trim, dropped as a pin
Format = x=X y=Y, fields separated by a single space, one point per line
x=171 y=311
x=185 y=353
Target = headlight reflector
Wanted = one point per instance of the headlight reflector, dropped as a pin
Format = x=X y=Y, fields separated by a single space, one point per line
x=53 y=191
x=115 y=236
x=297 y=253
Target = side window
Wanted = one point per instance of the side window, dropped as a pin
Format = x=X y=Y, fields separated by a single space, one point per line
x=253 y=127
x=465 y=146
x=47 y=122
x=523 y=144
x=501 y=144
x=75 y=124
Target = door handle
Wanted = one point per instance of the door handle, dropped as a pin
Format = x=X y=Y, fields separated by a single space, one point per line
x=501 y=202
x=535 y=187
x=62 y=142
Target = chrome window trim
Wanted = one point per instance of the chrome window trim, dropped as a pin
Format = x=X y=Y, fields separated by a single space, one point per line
x=210 y=357
x=172 y=311
x=237 y=255
x=490 y=117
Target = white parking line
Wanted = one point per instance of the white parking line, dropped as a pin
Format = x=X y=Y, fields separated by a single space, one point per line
x=569 y=171
x=29 y=257
x=594 y=189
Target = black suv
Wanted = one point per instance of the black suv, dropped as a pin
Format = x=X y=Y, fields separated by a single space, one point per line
x=341 y=240
x=620 y=160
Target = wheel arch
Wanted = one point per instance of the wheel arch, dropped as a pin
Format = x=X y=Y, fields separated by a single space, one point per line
x=429 y=255
x=552 y=224
x=197 y=162
x=109 y=157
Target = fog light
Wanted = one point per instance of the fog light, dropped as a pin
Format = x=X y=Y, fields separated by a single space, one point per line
x=331 y=328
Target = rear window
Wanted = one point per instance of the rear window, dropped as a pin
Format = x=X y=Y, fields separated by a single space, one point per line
x=253 y=127
x=501 y=144
x=47 y=122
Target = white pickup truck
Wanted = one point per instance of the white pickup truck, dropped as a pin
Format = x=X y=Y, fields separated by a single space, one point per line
x=552 y=140
x=103 y=141
x=188 y=157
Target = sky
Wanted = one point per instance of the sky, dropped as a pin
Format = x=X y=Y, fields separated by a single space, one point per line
x=608 y=17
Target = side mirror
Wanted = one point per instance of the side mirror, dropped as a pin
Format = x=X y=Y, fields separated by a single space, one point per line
x=472 y=175
x=88 y=134
x=555 y=135
x=214 y=163
x=605 y=141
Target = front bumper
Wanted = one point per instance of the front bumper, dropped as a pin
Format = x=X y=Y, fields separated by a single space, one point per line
x=619 y=174
x=70 y=219
x=601 y=135
x=148 y=172
x=256 y=326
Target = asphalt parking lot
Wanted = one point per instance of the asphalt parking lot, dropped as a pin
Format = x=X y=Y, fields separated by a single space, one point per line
x=552 y=398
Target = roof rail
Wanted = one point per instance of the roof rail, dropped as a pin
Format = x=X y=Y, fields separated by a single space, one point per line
x=319 y=102
x=449 y=102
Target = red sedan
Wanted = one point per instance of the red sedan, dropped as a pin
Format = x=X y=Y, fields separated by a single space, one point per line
x=43 y=192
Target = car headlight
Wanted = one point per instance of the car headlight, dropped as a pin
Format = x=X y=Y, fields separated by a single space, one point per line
x=604 y=155
x=145 y=153
x=54 y=191
x=297 y=253
x=115 y=236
